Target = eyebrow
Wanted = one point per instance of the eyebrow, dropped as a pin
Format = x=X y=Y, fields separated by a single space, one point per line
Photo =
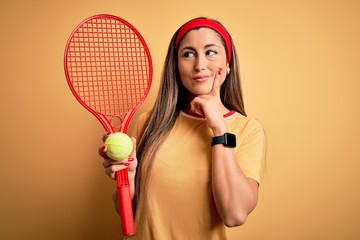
x=205 y=47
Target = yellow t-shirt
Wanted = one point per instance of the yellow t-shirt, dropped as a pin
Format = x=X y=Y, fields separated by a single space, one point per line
x=180 y=194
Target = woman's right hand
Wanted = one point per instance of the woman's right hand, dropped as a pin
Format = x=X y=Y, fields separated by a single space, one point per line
x=112 y=166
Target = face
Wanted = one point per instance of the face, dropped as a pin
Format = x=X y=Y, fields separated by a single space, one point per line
x=201 y=54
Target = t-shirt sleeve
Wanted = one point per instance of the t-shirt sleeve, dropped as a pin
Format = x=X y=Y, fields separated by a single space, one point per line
x=252 y=150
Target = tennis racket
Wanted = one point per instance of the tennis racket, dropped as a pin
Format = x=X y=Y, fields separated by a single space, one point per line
x=108 y=68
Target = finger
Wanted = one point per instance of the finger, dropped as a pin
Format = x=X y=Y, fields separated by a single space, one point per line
x=105 y=137
x=133 y=153
x=132 y=164
x=108 y=162
x=102 y=151
x=196 y=106
x=215 y=91
x=112 y=169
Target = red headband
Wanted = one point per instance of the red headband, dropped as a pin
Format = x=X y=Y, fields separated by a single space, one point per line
x=203 y=22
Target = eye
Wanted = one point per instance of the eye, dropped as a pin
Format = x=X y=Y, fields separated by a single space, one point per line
x=211 y=52
x=188 y=54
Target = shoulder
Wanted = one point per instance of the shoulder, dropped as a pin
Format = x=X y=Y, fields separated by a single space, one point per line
x=246 y=128
x=244 y=122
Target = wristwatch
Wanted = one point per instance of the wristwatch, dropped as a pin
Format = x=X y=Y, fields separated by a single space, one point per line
x=228 y=140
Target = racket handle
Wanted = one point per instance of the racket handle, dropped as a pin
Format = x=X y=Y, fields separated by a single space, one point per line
x=125 y=203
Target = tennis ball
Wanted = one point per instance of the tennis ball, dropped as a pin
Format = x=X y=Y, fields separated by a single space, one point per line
x=119 y=146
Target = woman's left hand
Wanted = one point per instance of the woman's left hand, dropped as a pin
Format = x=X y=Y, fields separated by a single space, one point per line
x=211 y=108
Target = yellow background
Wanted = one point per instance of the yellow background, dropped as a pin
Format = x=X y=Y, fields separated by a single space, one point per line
x=301 y=77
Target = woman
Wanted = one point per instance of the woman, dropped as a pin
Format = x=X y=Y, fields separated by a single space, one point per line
x=198 y=158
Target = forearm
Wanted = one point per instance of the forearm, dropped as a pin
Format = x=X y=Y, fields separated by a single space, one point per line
x=235 y=195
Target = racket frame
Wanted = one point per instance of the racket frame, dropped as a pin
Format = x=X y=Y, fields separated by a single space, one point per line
x=123 y=185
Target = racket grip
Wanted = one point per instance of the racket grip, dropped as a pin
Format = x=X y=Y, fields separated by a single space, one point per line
x=125 y=202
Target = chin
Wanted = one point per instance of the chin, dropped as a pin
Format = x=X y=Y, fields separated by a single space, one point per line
x=200 y=91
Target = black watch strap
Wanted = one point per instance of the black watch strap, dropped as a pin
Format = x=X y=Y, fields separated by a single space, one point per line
x=228 y=140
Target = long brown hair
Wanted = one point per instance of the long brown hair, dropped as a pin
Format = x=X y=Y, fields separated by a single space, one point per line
x=172 y=98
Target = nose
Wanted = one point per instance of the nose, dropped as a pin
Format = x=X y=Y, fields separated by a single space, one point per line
x=200 y=63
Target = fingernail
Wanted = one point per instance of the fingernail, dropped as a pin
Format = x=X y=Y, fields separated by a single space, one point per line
x=127 y=164
x=130 y=159
x=104 y=148
x=219 y=72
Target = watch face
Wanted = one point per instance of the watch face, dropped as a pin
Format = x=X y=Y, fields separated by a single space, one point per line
x=230 y=140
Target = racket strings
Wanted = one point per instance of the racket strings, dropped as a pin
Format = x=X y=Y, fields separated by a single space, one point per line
x=108 y=66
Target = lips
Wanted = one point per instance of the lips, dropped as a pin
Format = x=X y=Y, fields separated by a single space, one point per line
x=200 y=78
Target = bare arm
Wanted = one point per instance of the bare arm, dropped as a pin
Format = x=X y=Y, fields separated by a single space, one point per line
x=235 y=195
